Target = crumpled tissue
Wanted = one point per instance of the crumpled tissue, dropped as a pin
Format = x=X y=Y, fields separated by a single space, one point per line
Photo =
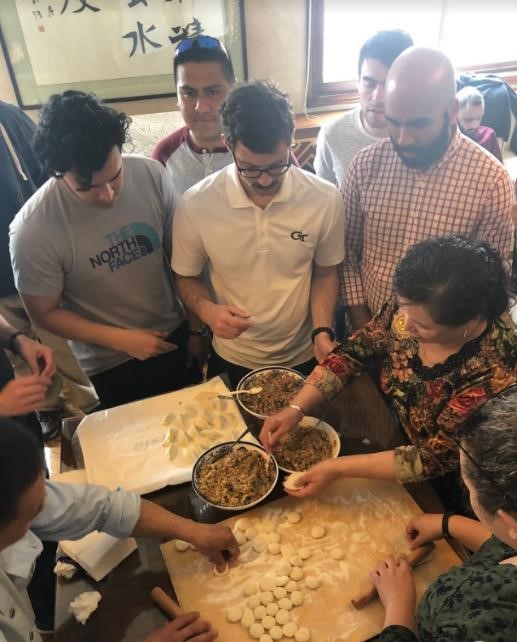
x=84 y=605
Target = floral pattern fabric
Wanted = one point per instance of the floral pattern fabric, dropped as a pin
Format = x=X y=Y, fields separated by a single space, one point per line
x=430 y=402
x=474 y=601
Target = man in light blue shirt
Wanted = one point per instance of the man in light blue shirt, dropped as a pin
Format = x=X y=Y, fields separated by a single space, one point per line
x=33 y=509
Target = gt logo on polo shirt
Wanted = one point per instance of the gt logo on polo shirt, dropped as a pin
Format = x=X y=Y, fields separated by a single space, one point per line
x=298 y=236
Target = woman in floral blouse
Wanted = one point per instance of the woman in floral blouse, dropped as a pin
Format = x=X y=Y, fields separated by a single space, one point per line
x=445 y=345
x=478 y=600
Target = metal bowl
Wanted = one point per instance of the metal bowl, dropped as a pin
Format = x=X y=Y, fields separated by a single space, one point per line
x=247 y=382
x=212 y=453
x=335 y=441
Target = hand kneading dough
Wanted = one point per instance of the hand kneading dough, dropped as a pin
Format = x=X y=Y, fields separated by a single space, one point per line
x=294 y=517
x=276 y=633
x=247 y=618
x=290 y=481
x=289 y=629
x=317 y=532
x=234 y=614
x=282 y=617
x=181 y=546
x=256 y=630
x=302 y=635
x=296 y=598
x=337 y=554
x=312 y=582
x=296 y=573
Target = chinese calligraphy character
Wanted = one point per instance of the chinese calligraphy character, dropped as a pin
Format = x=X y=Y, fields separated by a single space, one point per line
x=133 y=3
x=84 y=5
x=37 y=15
x=141 y=37
x=50 y=11
x=191 y=30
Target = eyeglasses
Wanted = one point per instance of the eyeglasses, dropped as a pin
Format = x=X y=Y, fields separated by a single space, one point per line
x=255 y=172
x=202 y=42
x=509 y=501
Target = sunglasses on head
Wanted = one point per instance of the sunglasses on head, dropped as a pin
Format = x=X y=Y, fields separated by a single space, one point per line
x=202 y=42
x=509 y=501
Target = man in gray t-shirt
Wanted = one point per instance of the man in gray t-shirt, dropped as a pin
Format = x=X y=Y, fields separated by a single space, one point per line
x=340 y=140
x=91 y=252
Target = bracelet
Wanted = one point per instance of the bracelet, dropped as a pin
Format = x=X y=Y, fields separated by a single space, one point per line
x=11 y=344
x=297 y=407
x=445 y=523
x=328 y=331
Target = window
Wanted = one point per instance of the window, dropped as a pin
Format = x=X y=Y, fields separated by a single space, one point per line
x=475 y=38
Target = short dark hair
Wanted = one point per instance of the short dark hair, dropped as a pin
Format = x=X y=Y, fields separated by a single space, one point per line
x=203 y=54
x=21 y=463
x=456 y=278
x=258 y=115
x=490 y=438
x=77 y=131
x=385 y=46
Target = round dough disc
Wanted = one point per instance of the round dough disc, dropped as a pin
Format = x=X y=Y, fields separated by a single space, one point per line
x=276 y=633
x=317 y=532
x=250 y=589
x=282 y=617
x=296 y=560
x=284 y=568
x=273 y=548
x=296 y=574
x=266 y=597
x=181 y=546
x=242 y=523
x=256 y=630
x=260 y=545
x=272 y=609
x=303 y=634
x=259 y=612
x=290 y=481
x=282 y=580
x=291 y=586
x=252 y=532
x=304 y=553
x=240 y=537
x=234 y=614
x=253 y=601
x=273 y=537
x=284 y=604
x=247 y=618
x=279 y=592
x=268 y=621
x=294 y=517
x=289 y=629
x=296 y=598
x=267 y=583
x=312 y=582
x=337 y=554
x=265 y=638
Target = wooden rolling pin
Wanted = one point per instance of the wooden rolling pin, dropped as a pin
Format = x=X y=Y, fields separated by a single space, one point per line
x=414 y=558
x=169 y=606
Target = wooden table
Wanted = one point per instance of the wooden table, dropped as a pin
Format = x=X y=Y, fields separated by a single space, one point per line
x=126 y=612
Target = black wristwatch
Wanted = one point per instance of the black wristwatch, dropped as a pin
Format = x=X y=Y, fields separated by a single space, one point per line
x=328 y=331
x=203 y=331
x=11 y=344
x=445 y=524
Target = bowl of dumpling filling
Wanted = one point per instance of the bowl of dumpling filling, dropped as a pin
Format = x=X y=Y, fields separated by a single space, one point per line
x=277 y=385
x=234 y=478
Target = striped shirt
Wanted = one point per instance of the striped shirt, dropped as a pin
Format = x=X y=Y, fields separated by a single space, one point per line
x=389 y=207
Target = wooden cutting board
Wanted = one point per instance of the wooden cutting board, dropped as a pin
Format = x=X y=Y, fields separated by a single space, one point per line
x=365 y=518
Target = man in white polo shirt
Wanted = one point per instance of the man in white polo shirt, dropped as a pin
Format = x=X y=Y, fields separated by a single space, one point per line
x=272 y=236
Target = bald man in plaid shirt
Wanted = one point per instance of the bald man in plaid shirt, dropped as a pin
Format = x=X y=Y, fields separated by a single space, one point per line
x=428 y=180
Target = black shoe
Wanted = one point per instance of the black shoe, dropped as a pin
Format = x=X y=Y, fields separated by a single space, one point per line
x=50 y=421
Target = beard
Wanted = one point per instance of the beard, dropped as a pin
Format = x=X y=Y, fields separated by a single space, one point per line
x=426 y=156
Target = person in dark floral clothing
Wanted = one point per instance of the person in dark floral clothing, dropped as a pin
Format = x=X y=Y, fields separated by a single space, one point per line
x=445 y=344
x=477 y=600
